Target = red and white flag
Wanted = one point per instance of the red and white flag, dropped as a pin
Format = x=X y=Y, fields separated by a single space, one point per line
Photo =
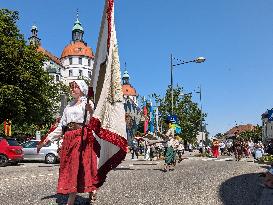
x=109 y=115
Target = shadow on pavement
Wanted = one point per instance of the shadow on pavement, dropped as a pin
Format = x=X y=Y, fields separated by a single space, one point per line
x=15 y=165
x=265 y=166
x=62 y=199
x=146 y=164
x=122 y=168
x=241 y=190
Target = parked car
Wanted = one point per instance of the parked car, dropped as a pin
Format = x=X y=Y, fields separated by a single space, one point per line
x=48 y=153
x=10 y=151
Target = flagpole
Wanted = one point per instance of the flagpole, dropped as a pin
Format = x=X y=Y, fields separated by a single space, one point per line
x=94 y=79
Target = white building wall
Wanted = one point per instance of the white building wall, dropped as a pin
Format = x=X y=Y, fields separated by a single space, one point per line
x=267 y=130
x=76 y=68
x=133 y=98
x=199 y=136
x=52 y=65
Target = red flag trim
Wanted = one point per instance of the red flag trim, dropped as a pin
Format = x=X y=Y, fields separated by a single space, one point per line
x=109 y=19
x=113 y=138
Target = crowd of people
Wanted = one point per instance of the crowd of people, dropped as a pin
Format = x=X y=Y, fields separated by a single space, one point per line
x=239 y=148
x=168 y=148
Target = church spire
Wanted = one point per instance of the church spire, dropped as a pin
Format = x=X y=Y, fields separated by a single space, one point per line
x=34 y=40
x=77 y=30
x=125 y=77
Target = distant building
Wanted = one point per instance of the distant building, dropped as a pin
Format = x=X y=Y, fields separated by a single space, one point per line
x=53 y=65
x=77 y=58
x=132 y=111
x=267 y=128
x=76 y=61
x=239 y=129
x=201 y=136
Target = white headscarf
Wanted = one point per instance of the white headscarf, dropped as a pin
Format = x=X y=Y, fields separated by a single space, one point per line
x=83 y=86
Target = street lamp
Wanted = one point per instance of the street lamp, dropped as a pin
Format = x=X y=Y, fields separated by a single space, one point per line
x=196 y=60
x=201 y=117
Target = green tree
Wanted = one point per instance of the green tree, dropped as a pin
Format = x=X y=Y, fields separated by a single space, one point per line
x=188 y=112
x=255 y=134
x=27 y=92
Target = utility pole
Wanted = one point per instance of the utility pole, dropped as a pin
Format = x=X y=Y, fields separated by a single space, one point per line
x=201 y=117
x=172 y=81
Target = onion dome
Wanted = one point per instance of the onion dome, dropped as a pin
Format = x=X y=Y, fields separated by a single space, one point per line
x=77 y=26
x=126 y=74
x=128 y=90
x=77 y=48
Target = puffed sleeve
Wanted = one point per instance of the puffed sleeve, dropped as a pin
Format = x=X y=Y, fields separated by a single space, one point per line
x=58 y=132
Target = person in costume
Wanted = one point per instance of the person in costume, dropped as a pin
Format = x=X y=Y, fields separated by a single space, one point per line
x=78 y=159
x=170 y=152
x=180 y=151
x=215 y=148
x=238 y=148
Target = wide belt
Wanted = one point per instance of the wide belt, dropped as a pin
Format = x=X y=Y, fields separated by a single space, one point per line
x=73 y=126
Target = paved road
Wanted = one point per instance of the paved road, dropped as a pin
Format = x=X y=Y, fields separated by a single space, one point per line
x=194 y=181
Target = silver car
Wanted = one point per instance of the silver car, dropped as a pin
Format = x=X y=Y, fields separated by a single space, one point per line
x=47 y=153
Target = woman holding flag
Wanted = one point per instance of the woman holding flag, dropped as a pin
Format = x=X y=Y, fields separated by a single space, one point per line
x=78 y=158
x=93 y=148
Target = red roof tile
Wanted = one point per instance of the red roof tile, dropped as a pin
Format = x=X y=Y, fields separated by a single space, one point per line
x=128 y=90
x=240 y=128
x=77 y=49
x=49 y=55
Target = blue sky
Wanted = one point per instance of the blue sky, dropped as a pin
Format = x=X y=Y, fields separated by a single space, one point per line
x=235 y=36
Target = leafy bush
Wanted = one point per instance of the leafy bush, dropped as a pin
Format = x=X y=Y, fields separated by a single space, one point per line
x=266 y=158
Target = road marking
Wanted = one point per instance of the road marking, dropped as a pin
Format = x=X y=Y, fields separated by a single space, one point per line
x=225 y=159
x=215 y=159
x=207 y=159
x=33 y=176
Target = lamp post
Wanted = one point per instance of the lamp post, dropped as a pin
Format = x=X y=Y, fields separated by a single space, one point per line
x=201 y=117
x=197 y=60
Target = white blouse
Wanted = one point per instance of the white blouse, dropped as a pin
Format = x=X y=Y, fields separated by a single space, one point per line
x=72 y=113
